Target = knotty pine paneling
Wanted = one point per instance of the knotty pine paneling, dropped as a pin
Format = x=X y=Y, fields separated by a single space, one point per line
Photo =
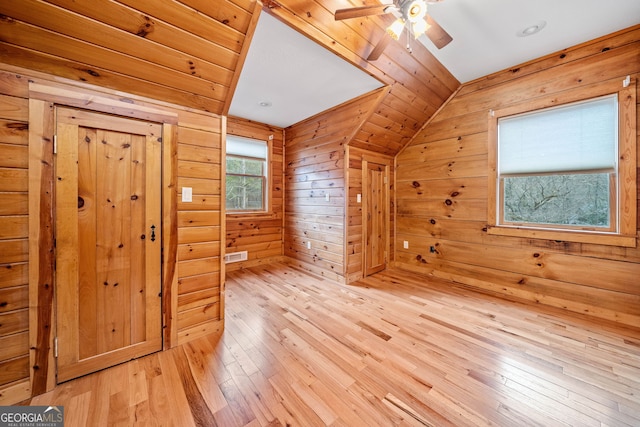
x=163 y=50
x=316 y=167
x=260 y=234
x=193 y=295
x=306 y=206
x=200 y=227
x=354 y=249
x=441 y=190
x=14 y=234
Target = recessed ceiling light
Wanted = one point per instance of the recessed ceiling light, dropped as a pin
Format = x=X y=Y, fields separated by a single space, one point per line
x=532 y=29
x=265 y=104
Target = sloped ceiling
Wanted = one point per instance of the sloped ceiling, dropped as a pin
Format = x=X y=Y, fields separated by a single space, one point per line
x=287 y=78
x=487 y=39
x=192 y=52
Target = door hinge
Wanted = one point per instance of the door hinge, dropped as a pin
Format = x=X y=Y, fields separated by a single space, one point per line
x=55 y=144
x=55 y=347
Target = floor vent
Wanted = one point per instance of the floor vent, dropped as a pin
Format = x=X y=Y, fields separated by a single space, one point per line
x=235 y=257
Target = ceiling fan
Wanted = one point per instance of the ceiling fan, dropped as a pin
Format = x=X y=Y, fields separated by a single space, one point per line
x=412 y=14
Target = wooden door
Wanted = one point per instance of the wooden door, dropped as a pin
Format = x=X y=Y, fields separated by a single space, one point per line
x=108 y=241
x=376 y=217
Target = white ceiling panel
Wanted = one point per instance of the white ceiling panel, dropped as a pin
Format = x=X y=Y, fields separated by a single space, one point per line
x=287 y=77
x=485 y=32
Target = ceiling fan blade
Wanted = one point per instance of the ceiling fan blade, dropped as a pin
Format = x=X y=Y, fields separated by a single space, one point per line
x=358 y=12
x=379 y=48
x=437 y=34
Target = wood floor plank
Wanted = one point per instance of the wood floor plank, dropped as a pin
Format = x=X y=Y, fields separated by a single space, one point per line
x=393 y=349
x=177 y=404
x=205 y=374
x=99 y=402
x=79 y=408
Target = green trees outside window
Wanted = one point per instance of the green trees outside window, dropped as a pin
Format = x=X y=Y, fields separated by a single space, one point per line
x=245 y=183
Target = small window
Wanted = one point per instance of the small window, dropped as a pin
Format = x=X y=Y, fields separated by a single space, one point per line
x=565 y=169
x=246 y=175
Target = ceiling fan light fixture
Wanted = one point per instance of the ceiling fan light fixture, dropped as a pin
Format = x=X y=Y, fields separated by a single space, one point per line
x=415 y=11
x=395 y=29
x=419 y=28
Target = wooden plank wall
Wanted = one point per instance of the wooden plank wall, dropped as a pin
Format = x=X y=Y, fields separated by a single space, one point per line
x=193 y=301
x=442 y=195
x=314 y=158
x=354 y=250
x=315 y=167
x=200 y=226
x=14 y=233
x=183 y=52
x=261 y=235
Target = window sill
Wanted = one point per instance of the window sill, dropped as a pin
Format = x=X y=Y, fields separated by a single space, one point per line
x=243 y=215
x=608 y=239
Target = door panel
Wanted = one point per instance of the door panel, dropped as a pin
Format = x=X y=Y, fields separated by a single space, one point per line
x=376 y=218
x=108 y=266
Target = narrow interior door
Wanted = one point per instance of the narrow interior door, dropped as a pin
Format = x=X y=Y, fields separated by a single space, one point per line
x=375 y=218
x=108 y=242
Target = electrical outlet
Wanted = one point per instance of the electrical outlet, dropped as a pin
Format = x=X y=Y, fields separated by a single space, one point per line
x=405 y=244
x=359 y=198
x=326 y=197
x=308 y=245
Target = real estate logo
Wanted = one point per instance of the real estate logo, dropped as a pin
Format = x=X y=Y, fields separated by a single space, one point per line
x=31 y=416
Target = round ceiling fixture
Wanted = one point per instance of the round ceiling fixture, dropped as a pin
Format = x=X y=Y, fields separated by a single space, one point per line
x=415 y=10
x=532 y=29
x=265 y=104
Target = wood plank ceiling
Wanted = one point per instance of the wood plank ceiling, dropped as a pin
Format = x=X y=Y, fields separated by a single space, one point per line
x=190 y=52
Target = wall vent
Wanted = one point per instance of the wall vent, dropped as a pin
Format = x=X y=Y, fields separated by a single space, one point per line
x=235 y=257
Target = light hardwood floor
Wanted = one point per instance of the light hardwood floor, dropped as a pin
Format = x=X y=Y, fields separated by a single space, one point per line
x=393 y=349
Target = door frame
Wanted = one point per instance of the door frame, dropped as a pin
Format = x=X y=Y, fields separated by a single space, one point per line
x=386 y=162
x=43 y=98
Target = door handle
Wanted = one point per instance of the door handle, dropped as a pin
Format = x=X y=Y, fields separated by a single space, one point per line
x=153 y=233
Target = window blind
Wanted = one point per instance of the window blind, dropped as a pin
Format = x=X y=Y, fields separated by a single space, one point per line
x=246 y=147
x=576 y=137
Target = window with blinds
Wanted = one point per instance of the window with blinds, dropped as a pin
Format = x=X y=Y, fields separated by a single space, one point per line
x=563 y=166
x=558 y=166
